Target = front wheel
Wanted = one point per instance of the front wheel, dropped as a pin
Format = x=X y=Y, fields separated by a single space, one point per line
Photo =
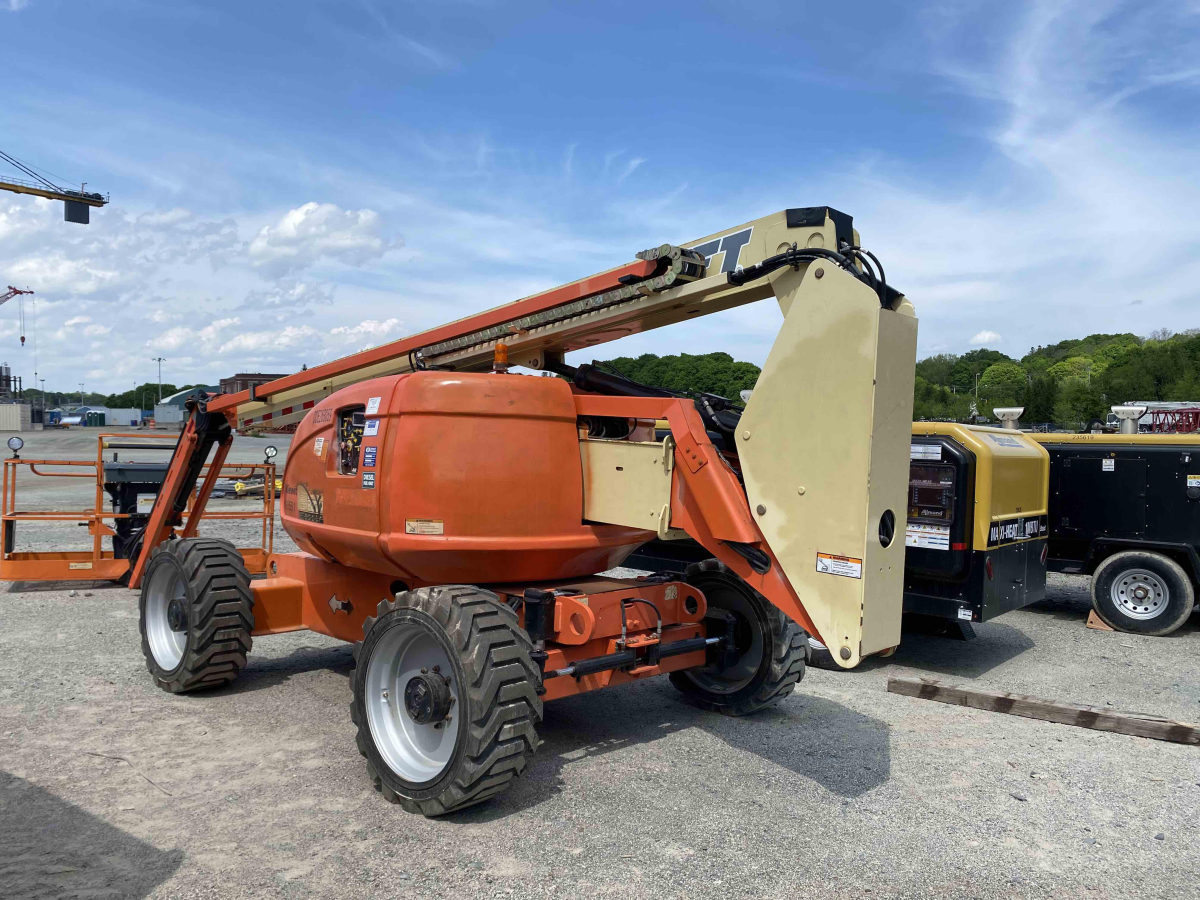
x=445 y=698
x=770 y=648
x=196 y=614
x=1142 y=592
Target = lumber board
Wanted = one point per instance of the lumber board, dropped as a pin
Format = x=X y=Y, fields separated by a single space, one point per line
x=1096 y=718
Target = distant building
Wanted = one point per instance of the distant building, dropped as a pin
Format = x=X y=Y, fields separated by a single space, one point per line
x=170 y=411
x=244 y=380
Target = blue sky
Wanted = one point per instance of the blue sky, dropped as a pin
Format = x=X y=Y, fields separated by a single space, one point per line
x=292 y=182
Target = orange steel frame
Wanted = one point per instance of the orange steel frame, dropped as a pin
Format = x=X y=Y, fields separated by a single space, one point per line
x=304 y=593
x=97 y=563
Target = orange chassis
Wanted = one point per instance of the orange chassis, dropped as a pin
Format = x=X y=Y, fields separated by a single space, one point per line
x=302 y=593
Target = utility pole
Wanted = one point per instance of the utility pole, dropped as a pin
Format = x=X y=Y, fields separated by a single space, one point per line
x=43 y=381
x=81 y=393
x=159 y=360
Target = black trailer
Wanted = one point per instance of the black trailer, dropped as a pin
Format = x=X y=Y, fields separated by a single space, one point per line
x=1125 y=509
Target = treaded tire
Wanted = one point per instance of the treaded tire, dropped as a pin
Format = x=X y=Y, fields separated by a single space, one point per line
x=220 y=613
x=1180 y=602
x=821 y=658
x=784 y=651
x=498 y=708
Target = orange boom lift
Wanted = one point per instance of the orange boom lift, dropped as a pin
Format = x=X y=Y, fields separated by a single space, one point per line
x=452 y=515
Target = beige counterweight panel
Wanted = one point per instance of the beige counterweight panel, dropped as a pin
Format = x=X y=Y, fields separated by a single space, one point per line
x=824 y=446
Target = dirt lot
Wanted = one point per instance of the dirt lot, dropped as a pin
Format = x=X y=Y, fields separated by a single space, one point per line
x=112 y=788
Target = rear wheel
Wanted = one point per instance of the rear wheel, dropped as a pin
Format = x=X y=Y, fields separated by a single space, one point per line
x=1142 y=592
x=770 y=647
x=196 y=614
x=445 y=698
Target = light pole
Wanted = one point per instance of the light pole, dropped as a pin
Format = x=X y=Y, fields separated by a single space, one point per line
x=43 y=381
x=81 y=393
x=159 y=360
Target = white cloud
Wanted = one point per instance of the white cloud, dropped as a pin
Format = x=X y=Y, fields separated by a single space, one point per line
x=629 y=168
x=368 y=328
x=15 y=5
x=76 y=320
x=985 y=337
x=315 y=232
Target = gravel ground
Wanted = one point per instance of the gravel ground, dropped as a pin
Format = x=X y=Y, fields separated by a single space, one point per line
x=112 y=788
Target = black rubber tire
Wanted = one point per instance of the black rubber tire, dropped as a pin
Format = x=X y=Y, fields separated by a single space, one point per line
x=785 y=647
x=220 y=613
x=491 y=655
x=1180 y=602
x=821 y=658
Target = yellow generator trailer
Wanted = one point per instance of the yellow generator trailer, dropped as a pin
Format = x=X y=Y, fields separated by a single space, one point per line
x=977 y=521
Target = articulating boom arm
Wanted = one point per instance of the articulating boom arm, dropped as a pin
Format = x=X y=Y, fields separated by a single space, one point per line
x=819 y=500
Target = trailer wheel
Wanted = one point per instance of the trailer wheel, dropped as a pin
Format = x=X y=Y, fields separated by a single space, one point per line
x=1142 y=592
x=196 y=614
x=445 y=698
x=772 y=648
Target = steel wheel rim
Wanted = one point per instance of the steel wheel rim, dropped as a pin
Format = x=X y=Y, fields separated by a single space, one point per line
x=417 y=753
x=743 y=672
x=166 y=644
x=1140 y=594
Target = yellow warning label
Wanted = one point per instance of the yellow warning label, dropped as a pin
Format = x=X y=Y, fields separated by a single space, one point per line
x=423 y=526
x=1193 y=481
x=79 y=566
x=846 y=566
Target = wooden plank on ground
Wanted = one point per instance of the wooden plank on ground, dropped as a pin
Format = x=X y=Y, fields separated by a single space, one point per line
x=1097 y=718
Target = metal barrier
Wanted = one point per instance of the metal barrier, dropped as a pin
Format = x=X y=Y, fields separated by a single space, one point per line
x=99 y=564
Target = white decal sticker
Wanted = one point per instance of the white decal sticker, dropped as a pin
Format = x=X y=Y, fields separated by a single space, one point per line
x=368 y=481
x=372 y=428
x=1193 y=481
x=319 y=446
x=846 y=566
x=373 y=406
x=931 y=537
x=79 y=565
x=964 y=614
x=1004 y=440
x=145 y=502
x=926 y=451
x=1108 y=465
x=423 y=526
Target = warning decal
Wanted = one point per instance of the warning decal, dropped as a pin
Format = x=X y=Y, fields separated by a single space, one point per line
x=846 y=566
x=373 y=406
x=1193 y=481
x=926 y=451
x=1108 y=465
x=79 y=565
x=931 y=537
x=372 y=428
x=423 y=526
x=964 y=614
x=319 y=446
x=369 y=457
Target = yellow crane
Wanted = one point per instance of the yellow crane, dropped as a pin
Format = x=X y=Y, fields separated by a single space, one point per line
x=76 y=204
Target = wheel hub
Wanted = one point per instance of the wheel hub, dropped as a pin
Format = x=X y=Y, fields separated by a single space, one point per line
x=427 y=698
x=177 y=615
x=1140 y=594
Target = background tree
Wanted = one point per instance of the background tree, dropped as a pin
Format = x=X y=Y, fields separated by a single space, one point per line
x=1001 y=384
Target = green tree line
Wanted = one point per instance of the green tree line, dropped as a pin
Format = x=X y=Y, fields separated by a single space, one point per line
x=1066 y=384
x=131 y=399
